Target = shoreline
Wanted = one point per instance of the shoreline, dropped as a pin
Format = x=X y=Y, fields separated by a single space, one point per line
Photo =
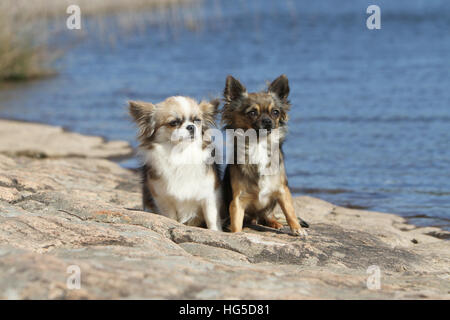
x=79 y=208
x=34 y=133
x=25 y=60
x=436 y=230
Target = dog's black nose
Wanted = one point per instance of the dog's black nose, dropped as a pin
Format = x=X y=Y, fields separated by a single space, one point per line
x=190 y=128
x=267 y=123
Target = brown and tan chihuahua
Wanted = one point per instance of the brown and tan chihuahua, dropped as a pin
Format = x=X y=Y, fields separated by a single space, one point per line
x=252 y=192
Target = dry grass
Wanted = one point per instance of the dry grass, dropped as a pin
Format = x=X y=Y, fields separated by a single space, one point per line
x=21 y=47
x=52 y=8
x=24 y=29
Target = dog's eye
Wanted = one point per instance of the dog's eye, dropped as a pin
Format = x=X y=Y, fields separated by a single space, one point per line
x=196 y=119
x=276 y=113
x=252 y=113
x=174 y=123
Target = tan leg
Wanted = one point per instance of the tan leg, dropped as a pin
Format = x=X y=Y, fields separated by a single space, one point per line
x=236 y=215
x=287 y=205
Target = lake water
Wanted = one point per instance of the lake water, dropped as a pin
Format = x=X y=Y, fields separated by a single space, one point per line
x=370 y=122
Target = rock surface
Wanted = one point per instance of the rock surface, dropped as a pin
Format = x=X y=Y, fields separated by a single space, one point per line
x=84 y=212
x=43 y=141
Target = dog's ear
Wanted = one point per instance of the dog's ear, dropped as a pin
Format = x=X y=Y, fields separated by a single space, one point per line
x=210 y=110
x=234 y=89
x=139 y=110
x=280 y=87
x=142 y=113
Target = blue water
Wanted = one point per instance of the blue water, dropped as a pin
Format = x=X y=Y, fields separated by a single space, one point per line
x=370 y=122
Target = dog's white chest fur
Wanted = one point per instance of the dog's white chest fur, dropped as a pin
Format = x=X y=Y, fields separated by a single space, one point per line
x=260 y=155
x=183 y=188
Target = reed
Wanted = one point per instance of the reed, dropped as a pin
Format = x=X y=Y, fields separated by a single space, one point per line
x=25 y=30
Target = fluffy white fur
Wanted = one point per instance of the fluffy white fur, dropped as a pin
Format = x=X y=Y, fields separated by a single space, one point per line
x=185 y=189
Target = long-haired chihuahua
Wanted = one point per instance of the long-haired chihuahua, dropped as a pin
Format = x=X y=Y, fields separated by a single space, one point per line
x=178 y=180
x=254 y=191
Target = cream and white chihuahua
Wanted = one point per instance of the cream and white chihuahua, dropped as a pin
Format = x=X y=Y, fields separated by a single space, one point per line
x=178 y=180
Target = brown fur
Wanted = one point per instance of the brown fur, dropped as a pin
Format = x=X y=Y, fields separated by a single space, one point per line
x=262 y=110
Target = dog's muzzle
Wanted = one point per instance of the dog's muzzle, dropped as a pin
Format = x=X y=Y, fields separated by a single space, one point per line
x=267 y=124
x=191 y=129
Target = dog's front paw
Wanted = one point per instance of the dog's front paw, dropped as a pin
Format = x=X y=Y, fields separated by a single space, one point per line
x=300 y=232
